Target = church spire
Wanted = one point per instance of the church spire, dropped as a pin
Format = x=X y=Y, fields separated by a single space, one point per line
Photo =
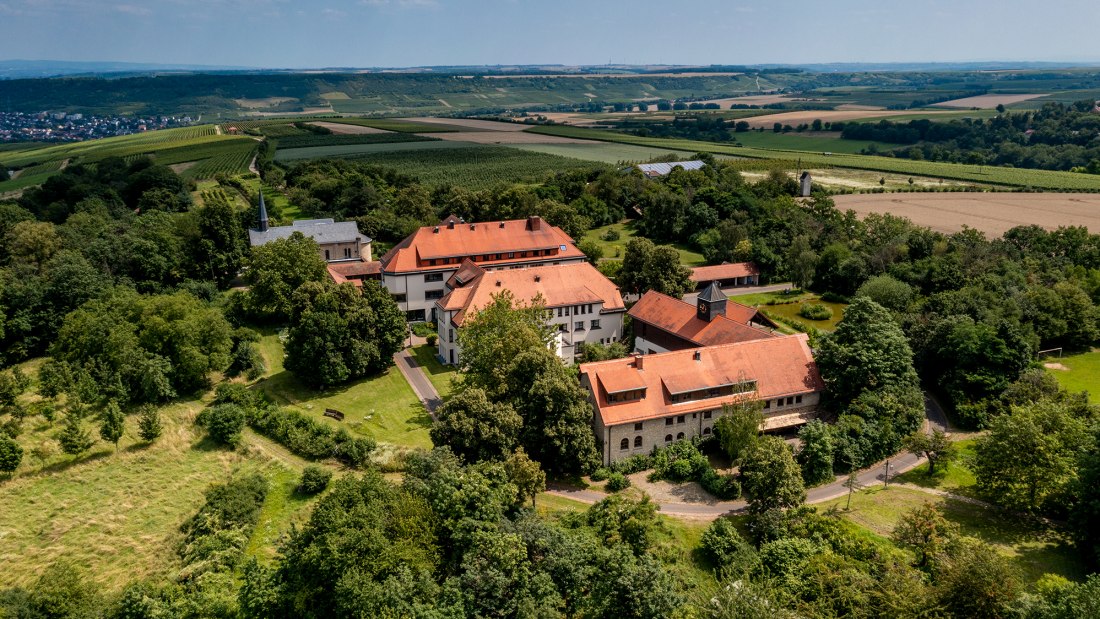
x=263 y=213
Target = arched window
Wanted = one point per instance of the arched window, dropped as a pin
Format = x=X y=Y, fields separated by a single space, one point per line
x=637 y=441
x=680 y=436
x=706 y=431
x=624 y=444
x=668 y=438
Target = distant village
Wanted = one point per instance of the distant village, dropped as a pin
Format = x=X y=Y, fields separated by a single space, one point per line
x=53 y=126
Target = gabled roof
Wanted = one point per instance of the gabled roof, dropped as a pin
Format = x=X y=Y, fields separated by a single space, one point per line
x=661 y=169
x=780 y=367
x=724 y=271
x=573 y=283
x=323 y=231
x=679 y=318
x=453 y=239
x=466 y=273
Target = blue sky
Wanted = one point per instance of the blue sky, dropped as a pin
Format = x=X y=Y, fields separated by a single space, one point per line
x=322 y=33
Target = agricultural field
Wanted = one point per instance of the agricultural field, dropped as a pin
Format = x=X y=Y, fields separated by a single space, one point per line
x=399 y=125
x=1013 y=177
x=846 y=180
x=473 y=166
x=991 y=212
x=809 y=116
x=986 y=102
x=358 y=149
x=603 y=152
x=345 y=128
x=823 y=141
x=1078 y=372
x=306 y=140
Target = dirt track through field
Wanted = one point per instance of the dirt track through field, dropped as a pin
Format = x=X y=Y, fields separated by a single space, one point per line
x=471 y=123
x=806 y=117
x=988 y=102
x=506 y=137
x=992 y=213
x=346 y=129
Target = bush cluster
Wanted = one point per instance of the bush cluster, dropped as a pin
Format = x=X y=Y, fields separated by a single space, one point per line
x=216 y=536
x=314 y=479
x=815 y=311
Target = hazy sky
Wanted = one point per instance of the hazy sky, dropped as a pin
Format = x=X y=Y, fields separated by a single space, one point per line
x=285 y=33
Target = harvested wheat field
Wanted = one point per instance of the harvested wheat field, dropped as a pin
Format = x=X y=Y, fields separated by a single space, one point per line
x=507 y=137
x=807 y=116
x=345 y=129
x=471 y=123
x=992 y=213
x=757 y=100
x=988 y=102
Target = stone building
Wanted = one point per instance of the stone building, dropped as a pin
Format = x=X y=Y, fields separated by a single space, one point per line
x=337 y=241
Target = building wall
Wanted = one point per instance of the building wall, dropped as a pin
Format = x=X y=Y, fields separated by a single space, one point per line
x=610 y=330
x=336 y=251
x=654 y=431
x=416 y=290
x=649 y=339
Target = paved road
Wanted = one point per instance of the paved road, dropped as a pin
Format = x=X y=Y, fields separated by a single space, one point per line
x=936 y=419
x=692 y=296
x=420 y=384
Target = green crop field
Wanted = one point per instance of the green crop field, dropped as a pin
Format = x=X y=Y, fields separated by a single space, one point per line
x=474 y=167
x=805 y=141
x=1014 y=177
x=401 y=126
x=605 y=152
x=307 y=140
x=359 y=150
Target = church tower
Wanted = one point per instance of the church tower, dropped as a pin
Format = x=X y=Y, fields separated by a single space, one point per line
x=712 y=302
x=263 y=213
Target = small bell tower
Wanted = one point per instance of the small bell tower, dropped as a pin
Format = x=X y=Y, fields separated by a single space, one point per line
x=712 y=302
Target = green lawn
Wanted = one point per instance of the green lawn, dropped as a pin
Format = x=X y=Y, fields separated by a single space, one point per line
x=786 y=306
x=956 y=477
x=614 y=250
x=383 y=407
x=1034 y=548
x=440 y=375
x=1082 y=373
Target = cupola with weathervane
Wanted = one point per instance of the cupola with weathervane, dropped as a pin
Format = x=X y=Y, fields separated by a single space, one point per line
x=711 y=303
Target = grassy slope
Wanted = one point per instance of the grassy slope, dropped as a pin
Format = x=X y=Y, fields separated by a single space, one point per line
x=986 y=174
x=1083 y=373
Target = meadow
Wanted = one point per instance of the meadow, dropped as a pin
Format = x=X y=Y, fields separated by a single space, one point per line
x=1082 y=373
x=615 y=250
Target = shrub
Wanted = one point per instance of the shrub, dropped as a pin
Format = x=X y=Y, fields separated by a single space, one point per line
x=314 y=479
x=309 y=437
x=723 y=545
x=612 y=234
x=601 y=473
x=832 y=297
x=224 y=423
x=423 y=329
x=149 y=428
x=633 y=464
x=724 y=487
x=433 y=340
x=617 y=482
x=11 y=454
x=815 y=311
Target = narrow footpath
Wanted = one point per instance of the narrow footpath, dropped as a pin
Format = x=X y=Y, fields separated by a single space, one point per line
x=421 y=386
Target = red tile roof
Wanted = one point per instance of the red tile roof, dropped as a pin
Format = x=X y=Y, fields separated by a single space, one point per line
x=573 y=283
x=354 y=271
x=724 y=271
x=781 y=366
x=457 y=240
x=679 y=318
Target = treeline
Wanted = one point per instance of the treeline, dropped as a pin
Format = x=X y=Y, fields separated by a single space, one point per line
x=1056 y=137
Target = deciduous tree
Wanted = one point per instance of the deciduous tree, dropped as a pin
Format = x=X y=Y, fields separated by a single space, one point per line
x=937 y=447
x=770 y=476
x=277 y=269
x=475 y=428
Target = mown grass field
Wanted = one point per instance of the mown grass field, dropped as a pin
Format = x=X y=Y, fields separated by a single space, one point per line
x=441 y=376
x=615 y=250
x=383 y=407
x=1014 y=177
x=1082 y=373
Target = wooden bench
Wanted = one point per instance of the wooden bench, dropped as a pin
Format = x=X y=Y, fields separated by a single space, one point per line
x=335 y=414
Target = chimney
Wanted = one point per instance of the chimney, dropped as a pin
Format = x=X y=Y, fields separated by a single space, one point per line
x=498 y=282
x=697 y=355
x=450 y=224
x=538 y=278
x=502 y=225
x=435 y=230
x=472 y=226
x=638 y=360
x=534 y=222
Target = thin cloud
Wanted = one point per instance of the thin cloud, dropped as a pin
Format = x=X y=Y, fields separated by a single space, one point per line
x=131 y=9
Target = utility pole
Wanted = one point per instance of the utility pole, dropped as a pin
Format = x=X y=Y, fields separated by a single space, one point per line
x=886 y=478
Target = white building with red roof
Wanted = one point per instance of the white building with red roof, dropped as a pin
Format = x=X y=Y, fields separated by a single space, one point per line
x=645 y=401
x=663 y=323
x=583 y=306
x=416 y=270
